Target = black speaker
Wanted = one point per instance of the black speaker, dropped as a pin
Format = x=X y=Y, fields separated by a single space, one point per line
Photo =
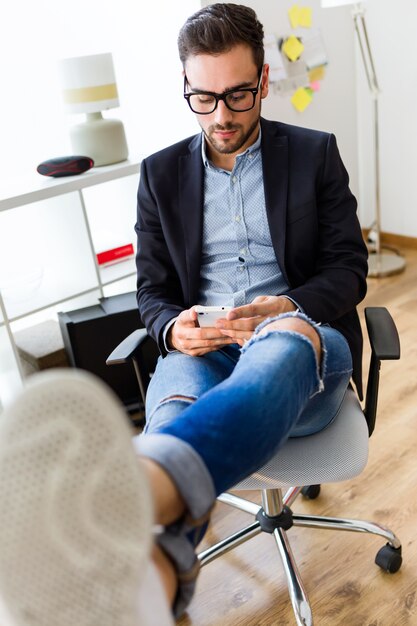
x=90 y=334
x=65 y=166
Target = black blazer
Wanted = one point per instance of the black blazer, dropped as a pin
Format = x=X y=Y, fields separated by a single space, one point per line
x=312 y=219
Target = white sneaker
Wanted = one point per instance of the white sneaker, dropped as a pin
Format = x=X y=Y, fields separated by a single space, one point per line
x=75 y=509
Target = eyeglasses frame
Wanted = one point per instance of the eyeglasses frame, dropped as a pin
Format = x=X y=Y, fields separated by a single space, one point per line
x=222 y=96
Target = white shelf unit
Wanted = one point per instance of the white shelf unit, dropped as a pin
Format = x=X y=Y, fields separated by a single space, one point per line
x=50 y=232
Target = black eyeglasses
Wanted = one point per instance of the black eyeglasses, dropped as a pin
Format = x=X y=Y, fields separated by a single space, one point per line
x=237 y=100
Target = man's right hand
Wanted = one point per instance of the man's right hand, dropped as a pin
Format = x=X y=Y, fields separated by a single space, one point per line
x=186 y=336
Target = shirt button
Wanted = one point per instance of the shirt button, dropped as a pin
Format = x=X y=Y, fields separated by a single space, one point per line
x=234 y=179
x=250 y=156
x=237 y=218
x=242 y=250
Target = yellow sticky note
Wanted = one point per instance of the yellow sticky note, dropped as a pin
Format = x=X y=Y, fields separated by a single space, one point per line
x=294 y=15
x=305 y=17
x=315 y=74
x=292 y=47
x=301 y=99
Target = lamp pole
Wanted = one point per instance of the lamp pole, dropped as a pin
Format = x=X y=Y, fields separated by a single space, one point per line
x=380 y=264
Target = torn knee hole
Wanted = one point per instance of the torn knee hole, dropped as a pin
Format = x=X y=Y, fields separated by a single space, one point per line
x=300 y=326
x=180 y=398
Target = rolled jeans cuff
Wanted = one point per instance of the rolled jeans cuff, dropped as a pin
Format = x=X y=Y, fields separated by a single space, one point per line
x=185 y=467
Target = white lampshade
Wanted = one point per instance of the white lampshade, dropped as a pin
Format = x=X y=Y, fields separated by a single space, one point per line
x=89 y=86
x=89 y=83
x=327 y=4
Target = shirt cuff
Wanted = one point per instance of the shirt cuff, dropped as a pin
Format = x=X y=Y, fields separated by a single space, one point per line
x=299 y=308
x=165 y=332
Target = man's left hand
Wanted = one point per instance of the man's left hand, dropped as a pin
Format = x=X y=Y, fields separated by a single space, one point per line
x=240 y=322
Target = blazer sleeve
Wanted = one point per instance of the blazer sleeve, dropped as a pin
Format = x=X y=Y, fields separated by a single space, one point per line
x=333 y=246
x=158 y=287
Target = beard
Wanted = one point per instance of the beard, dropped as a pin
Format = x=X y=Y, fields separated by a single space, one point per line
x=229 y=146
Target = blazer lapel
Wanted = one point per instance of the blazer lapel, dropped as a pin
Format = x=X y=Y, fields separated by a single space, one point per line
x=275 y=169
x=191 y=191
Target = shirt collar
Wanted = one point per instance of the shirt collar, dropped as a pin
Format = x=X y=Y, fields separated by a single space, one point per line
x=253 y=148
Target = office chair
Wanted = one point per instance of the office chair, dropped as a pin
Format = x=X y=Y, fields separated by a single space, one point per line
x=337 y=453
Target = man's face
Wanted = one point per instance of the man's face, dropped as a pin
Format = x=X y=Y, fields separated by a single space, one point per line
x=227 y=132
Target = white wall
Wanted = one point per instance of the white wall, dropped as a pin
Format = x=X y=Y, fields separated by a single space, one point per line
x=392 y=33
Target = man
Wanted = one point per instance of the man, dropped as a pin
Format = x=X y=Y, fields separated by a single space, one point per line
x=257 y=215
x=251 y=214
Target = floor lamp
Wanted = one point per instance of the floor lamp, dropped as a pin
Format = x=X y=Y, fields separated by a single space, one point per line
x=380 y=263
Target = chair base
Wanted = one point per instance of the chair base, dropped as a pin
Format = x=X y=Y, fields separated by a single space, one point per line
x=275 y=517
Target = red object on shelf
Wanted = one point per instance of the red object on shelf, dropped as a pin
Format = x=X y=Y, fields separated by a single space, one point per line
x=115 y=254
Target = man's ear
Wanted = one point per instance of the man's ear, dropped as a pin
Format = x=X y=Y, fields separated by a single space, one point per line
x=183 y=75
x=265 y=81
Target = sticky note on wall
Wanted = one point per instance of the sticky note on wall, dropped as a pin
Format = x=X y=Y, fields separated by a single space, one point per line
x=294 y=15
x=301 y=99
x=317 y=73
x=305 y=17
x=300 y=16
x=292 y=47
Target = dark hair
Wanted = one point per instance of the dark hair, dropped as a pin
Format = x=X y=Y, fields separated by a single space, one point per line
x=219 y=27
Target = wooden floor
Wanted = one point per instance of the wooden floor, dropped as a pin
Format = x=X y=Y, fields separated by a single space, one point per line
x=247 y=588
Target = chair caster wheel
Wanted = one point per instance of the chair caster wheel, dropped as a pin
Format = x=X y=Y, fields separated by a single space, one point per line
x=311 y=491
x=389 y=559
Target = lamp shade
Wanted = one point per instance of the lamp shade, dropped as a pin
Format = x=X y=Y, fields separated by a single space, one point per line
x=327 y=4
x=89 y=83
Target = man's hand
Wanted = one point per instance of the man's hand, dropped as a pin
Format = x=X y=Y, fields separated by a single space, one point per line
x=242 y=321
x=186 y=336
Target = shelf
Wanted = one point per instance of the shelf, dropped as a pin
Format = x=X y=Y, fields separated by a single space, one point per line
x=34 y=188
x=52 y=265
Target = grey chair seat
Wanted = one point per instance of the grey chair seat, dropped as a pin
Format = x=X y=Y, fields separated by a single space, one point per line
x=339 y=452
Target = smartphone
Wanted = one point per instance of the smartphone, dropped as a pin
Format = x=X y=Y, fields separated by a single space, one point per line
x=207 y=315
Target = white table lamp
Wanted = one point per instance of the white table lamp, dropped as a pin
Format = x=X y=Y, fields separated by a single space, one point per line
x=89 y=86
x=380 y=263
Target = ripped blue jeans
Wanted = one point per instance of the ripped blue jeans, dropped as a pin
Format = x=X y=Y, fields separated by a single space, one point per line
x=214 y=420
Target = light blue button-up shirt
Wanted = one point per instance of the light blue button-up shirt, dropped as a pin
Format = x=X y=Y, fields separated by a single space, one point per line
x=238 y=260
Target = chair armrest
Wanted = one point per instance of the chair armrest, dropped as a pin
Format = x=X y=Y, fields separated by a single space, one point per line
x=383 y=334
x=142 y=351
x=385 y=345
x=125 y=351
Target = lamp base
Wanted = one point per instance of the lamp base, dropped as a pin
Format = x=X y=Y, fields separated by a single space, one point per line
x=381 y=264
x=101 y=139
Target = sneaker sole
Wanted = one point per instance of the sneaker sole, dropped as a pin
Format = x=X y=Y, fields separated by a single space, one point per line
x=75 y=509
